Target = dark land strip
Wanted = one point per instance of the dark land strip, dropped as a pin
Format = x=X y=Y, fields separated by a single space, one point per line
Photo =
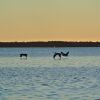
x=50 y=44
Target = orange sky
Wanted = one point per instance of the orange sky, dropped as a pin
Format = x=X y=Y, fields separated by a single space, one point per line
x=47 y=20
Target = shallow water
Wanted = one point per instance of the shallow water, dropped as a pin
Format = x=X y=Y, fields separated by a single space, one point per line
x=40 y=77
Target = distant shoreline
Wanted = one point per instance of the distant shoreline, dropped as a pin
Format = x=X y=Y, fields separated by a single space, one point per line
x=50 y=44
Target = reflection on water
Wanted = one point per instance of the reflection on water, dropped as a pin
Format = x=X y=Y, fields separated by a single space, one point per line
x=76 y=77
x=71 y=61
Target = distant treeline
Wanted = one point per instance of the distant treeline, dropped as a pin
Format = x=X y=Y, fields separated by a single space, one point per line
x=50 y=44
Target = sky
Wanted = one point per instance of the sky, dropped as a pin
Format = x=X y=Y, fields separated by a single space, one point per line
x=49 y=20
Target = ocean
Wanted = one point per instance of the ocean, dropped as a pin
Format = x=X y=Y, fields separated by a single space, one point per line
x=40 y=77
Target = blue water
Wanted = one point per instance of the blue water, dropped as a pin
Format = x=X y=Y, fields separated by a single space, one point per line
x=40 y=77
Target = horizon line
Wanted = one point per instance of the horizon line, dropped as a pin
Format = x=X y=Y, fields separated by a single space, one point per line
x=45 y=41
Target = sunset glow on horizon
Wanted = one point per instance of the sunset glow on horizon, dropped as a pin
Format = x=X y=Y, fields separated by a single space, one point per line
x=49 y=20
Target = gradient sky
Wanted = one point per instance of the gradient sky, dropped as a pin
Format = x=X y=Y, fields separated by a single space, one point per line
x=44 y=20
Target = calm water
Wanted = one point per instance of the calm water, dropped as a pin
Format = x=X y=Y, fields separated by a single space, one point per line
x=40 y=77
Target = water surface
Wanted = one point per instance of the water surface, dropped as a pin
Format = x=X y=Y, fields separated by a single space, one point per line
x=40 y=77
